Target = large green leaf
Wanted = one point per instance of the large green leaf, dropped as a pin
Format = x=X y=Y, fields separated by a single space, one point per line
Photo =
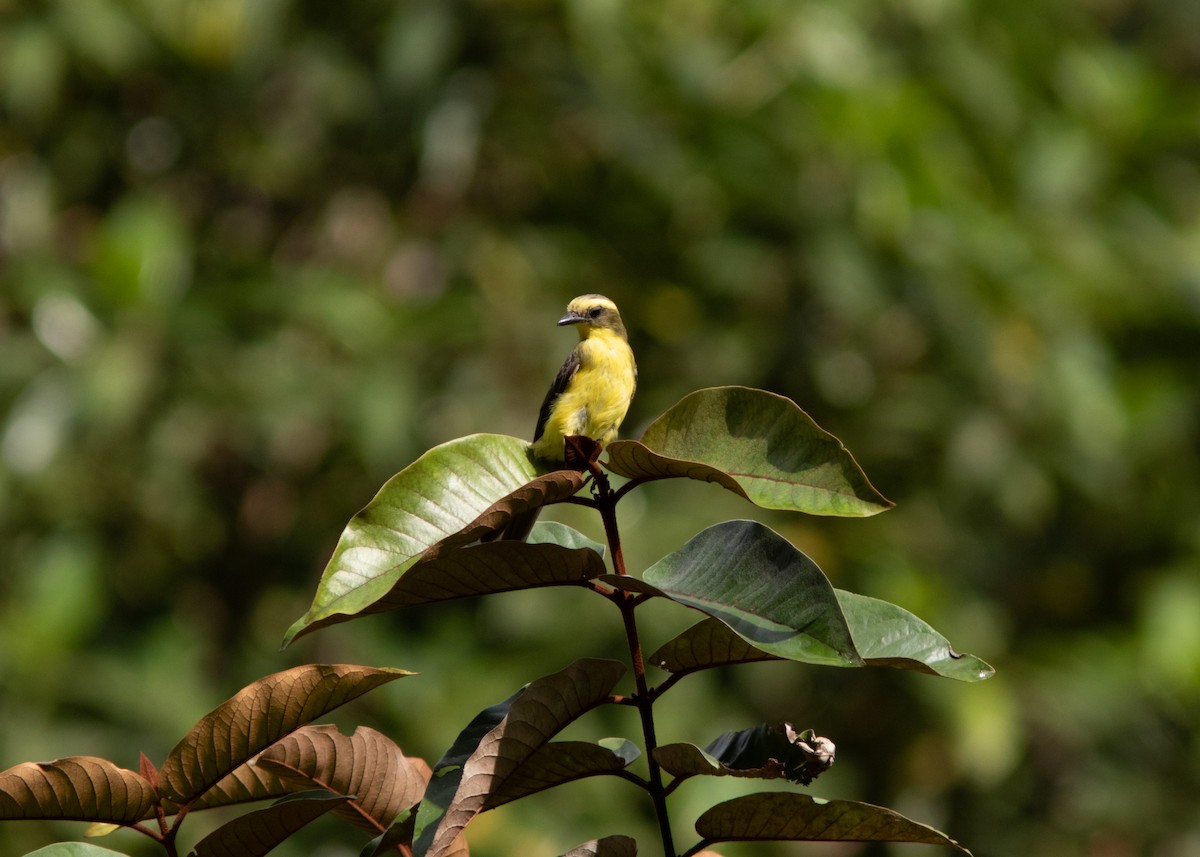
x=884 y=634
x=756 y=444
x=78 y=788
x=758 y=584
x=258 y=716
x=534 y=716
x=784 y=816
x=451 y=496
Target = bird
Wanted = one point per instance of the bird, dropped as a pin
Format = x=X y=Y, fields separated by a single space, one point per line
x=591 y=393
x=589 y=396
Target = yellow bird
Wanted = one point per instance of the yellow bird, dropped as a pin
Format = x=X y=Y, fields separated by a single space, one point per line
x=592 y=391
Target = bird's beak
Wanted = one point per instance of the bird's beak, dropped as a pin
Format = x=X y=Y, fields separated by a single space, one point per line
x=571 y=318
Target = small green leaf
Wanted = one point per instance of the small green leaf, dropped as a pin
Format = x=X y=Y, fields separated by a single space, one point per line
x=756 y=444
x=258 y=832
x=562 y=762
x=784 y=816
x=75 y=788
x=258 y=716
x=451 y=496
x=554 y=533
x=758 y=584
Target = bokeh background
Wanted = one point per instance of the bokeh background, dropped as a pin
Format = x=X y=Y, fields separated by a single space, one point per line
x=258 y=255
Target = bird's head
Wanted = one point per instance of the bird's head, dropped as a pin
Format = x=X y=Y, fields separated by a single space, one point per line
x=593 y=313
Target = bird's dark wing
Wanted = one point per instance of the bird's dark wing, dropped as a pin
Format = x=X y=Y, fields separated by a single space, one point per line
x=565 y=373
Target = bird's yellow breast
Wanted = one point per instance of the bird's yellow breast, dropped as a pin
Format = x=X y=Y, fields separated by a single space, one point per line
x=597 y=397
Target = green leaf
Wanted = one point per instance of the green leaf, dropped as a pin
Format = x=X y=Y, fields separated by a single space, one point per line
x=554 y=533
x=258 y=832
x=75 y=788
x=74 y=849
x=451 y=496
x=756 y=444
x=758 y=584
x=562 y=762
x=783 y=816
x=368 y=765
x=258 y=716
x=885 y=635
x=534 y=717
x=606 y=846
x=890 y=636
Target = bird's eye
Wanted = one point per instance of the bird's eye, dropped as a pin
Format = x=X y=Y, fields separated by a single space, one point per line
x=595 y=312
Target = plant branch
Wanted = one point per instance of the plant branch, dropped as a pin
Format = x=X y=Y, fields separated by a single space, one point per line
x=627 y=602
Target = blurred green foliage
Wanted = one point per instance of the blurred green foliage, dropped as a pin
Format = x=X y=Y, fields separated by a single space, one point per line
x=258 y=255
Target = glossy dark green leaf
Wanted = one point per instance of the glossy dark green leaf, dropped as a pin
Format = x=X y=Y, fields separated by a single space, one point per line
x=756 y=444
x=259 y=832
x=784 y=816
x=258 y=716
x=451 y=496
x=758 y=584
x=533 y=718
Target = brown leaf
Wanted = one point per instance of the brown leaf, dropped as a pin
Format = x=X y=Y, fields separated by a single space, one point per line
x=785 y=816
x=367 y=765
x=606 y=846
x=245 y=784
x=258 y=716
x=709 y=643
x=545 y=707
x=79 y=788
x=257 y=833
